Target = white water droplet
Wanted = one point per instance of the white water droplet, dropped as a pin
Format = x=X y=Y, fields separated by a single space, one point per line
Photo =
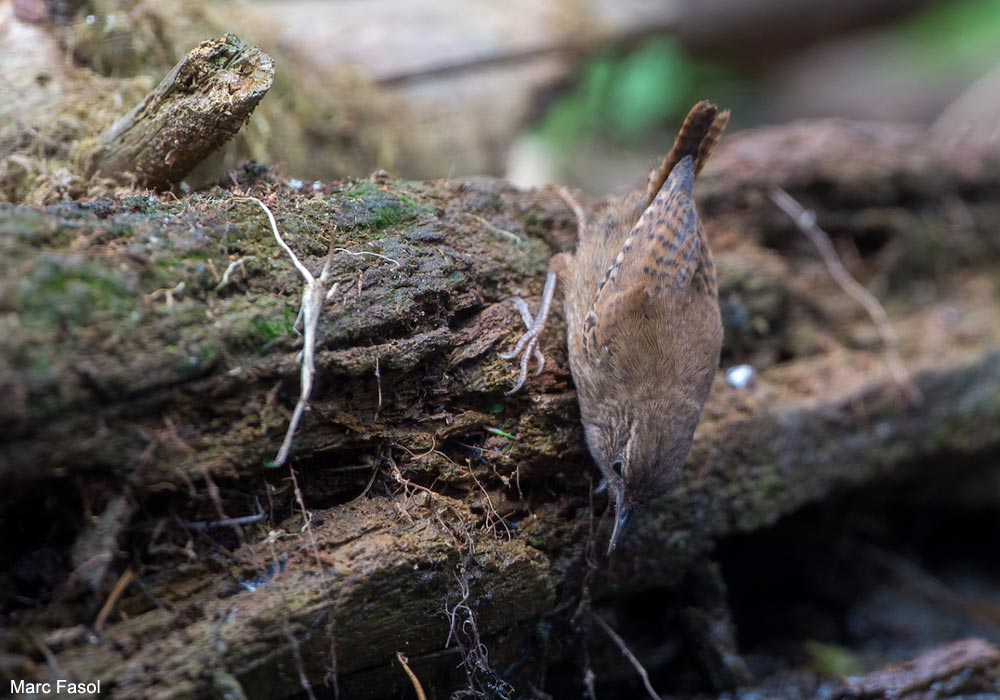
x=740 y=376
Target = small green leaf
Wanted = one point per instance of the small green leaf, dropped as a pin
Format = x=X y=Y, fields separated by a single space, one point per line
x=501 y=433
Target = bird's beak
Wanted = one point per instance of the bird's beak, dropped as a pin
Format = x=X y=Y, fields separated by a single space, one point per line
x=622 y=512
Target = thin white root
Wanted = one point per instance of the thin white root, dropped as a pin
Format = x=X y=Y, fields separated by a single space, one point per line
x=227 y=275
x=496 y=229
x=313 y=295
x=806 y=222
x=370 y=254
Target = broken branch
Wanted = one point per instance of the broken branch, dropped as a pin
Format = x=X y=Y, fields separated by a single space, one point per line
x=197 y=108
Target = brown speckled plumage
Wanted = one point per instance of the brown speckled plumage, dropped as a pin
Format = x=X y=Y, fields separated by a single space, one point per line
x=644 y=332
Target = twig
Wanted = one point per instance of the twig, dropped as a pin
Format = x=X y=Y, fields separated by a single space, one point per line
x=368 y=252
x=419 y=689
x=909 y=574
x=581 y=217
x=144 y=589
x=378 y=380
x=620 y=643
x=518 y=241
x=50 y=657
x=475 y=656
x=590 y=561
x=331 y=674
x=589 y=677
x=203 y=526
x=216 y=498
x=489 y=502
x=167 y=293
x=314 y=294
x=371 y=482
x=233 y=267
x=398 y=476
x=120 y=585
x=806 y=221
x=299 y=666
x=452 y=615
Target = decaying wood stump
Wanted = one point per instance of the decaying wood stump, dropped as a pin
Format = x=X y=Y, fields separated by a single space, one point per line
x=193 y=112
x=148 y=352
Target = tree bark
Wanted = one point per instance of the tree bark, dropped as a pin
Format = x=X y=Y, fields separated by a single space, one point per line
x=149 y=350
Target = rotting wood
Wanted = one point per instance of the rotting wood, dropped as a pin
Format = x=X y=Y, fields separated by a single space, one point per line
x=115 y=386
x=196 y=109
x=966 y=668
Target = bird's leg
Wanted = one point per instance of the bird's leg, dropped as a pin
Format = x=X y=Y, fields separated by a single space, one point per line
x=527 y=346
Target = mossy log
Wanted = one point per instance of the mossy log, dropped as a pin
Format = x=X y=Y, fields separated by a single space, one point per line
x=149 y=350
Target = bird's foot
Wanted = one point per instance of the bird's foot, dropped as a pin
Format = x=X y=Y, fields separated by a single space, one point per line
x=527 y=346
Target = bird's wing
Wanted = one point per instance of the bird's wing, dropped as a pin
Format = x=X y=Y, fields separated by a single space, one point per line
x=663 y=253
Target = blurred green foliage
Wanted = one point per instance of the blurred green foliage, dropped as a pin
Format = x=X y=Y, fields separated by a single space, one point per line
x=623 y=96
x=832 y=661
x=952 y=35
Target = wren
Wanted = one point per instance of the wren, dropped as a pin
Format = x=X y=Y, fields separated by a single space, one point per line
x=644 y=331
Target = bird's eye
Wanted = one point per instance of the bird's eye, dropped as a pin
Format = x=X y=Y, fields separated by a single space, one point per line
x=617 y=468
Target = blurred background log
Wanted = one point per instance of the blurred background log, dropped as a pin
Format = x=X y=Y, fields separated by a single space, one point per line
x=439 y=89
x=468 y=76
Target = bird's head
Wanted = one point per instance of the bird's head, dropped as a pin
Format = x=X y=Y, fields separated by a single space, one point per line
x=641 y=454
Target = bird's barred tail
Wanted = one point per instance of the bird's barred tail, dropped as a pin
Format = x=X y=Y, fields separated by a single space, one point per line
x=697 y=138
